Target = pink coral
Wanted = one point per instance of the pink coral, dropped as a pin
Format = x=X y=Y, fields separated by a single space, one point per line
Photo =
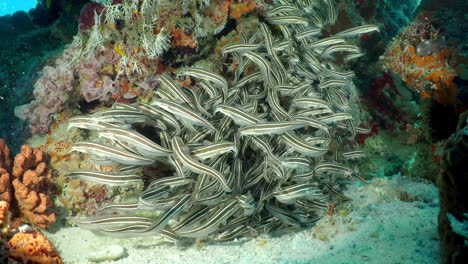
x=51 y=91
x=55 y=87
x=95 y=81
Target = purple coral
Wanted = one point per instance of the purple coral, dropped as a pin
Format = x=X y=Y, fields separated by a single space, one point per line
x=51 y=90
x=54 y=87
x=93 y=84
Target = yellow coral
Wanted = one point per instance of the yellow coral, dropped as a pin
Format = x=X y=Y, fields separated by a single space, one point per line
x=119 y=49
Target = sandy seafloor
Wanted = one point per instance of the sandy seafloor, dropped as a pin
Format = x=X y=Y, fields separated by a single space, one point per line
x=389 y=221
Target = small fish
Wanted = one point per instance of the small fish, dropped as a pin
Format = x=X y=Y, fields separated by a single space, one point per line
x=111 y=154
x=225 y=210
x=288 y=195
x=120 y=116
x=270 y=128
x=237 y=115
x=182 y=154
x=174 y=89
x=210 y=151
x=239 y=47
x=183 y=113
x=138 y=142
x=355 y=31
x=208 y=76
x=326 y=42
x=106 y=178
x=288 y=20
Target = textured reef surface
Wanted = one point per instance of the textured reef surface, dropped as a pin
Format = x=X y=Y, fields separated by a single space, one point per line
x=224 y=125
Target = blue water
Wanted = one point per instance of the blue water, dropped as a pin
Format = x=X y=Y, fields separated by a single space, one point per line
x=11 y=6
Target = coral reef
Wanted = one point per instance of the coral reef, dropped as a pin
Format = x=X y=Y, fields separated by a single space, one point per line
x=51 y=91
x=421 y=56
x=221 y=92
x=453 y=182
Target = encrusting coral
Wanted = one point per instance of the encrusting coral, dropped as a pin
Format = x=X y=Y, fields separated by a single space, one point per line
x=423 y=59
x=32 y=247
x=27 y=246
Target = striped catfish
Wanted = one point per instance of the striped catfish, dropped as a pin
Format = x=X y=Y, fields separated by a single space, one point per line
x=356 y=31
x=183 y=113
x=183 y=155
x=271 y=128
x=208 y=76
x=225 y=210
x=110 y=153
x=110 y=179
x=135 y=140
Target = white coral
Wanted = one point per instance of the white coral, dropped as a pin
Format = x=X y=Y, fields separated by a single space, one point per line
x=155 y=44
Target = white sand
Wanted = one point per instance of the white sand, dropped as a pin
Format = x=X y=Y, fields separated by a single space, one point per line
x=376 y=227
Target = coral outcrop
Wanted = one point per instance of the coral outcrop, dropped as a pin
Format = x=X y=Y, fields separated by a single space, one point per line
x=421 y=56
x=52 y=91
x=120 y=45
x=453 y=183
x=31 y=184
x=28 y=181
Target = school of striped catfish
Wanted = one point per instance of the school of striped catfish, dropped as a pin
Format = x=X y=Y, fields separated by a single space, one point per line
x=270 y=149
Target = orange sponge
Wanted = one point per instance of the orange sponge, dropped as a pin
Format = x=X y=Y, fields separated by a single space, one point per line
x=33 y=247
